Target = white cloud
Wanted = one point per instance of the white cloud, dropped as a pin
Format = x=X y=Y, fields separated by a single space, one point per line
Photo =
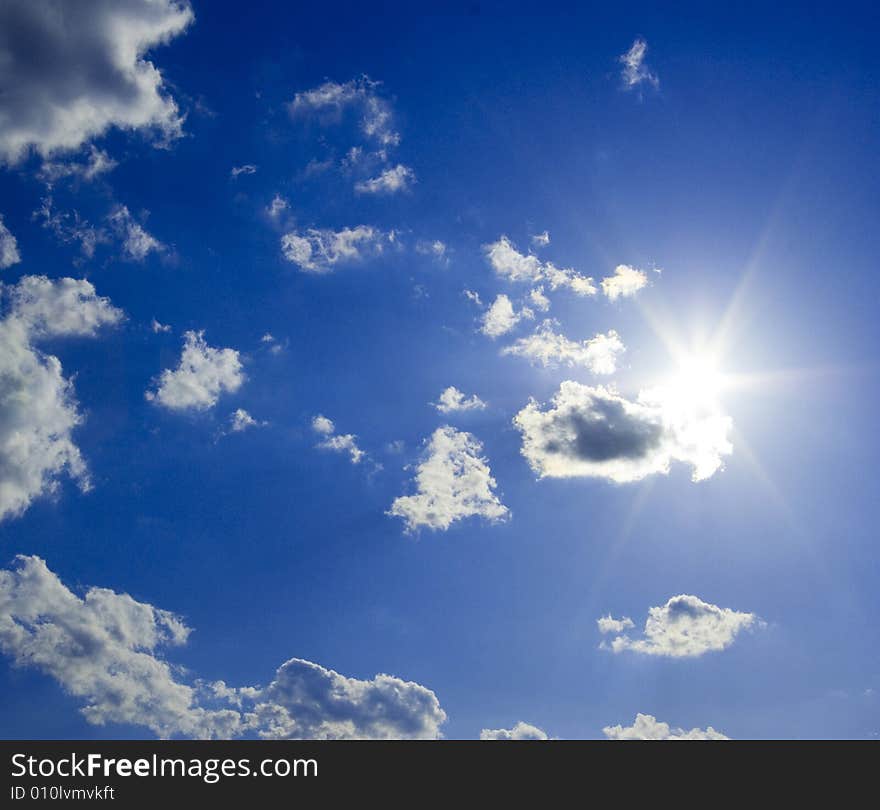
x=202 y=375
x=521 y=731
x=541 y=239
x=538 y=300
x=500 y=318
x=635 y=71
x=69 y=227
x=340 y=443
x=686 y=627
x=159 y=327
x=452 y=400
x=69 y=77
x=437 y=249
x=608 y=624
x=595 y=432
x=389 y=181
x=277 y=206
x=473 y=297
x=38 y=409
x=319 y=251
x=453 y=482
x=104 y=650
x=137 y=244
x=247 y=168
x=647 y=727
x=625 y=282
x=599 y=354
x=9 y=254
x=97 y=163
x=241 y=420
x=512 y=265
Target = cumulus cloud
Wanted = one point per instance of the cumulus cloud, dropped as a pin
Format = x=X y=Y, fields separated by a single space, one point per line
x=389 y=181
x=9 y=254
x=453 y=482
x=38 y=409
x=137 y=244
x=69 y=74
x=338 y=442
x=105 y=649
x=647 y=727
x=598 y=354
x=686 y=627
x=97 y=163
x=247 y=168
x=501 y=317
x=510 y=264
x=538 y=300
x=201 y=376
x=319 y=251
x=596 y=432
x=521 y=731
x=241 y=420
x=608 y=624
x=635 y=72
x=451 y=400
x=541 y=239
x=625 y=282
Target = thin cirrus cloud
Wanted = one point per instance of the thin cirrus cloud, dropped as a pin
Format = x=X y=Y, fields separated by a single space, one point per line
x=38 y=408
x=599 y=354
x=68 y=78
x=9 y=254
x=451 y=400
x=647 y=727
x=520 y=731
x=453 y=482
x=201 y=376
x=595 y=432
x=321 y=250
x=511 y=265
x=105 y=650
x=97 y=162
x=684 y=627
x=337 y=442
x=635 y=72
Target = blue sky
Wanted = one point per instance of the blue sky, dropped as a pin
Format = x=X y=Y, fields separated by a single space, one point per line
x=731 y=170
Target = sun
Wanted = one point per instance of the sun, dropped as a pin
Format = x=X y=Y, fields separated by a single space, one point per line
x=698 y=378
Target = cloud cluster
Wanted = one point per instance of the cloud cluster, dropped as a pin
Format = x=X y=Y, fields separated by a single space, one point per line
x=510 y=264
x=201 y=376
x=625 y=282
x=635 y=72
x=647 y=727
x=595 y=432
x=38 y=410
x=451 y=400
x=338 y=442
x=453 y=482
x=685 y=627
x=9 y=254
x=521 y=731
x=70 y=73
x=549 y=348
x=320 y=250
x=105 y=649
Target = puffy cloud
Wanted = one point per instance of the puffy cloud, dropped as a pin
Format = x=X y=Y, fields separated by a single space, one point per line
x=541 y=239
x=521 y=731
x=635 y=71
x=70 y=74
x=319 y=251
x=105 y=648
x=686 y=627
x=512 y=265
x=625 y=282
x=9 y=254
x=647 y=727
x=500 y=317
x=97 y=163
x=38 y=410
x=137 y=244
x=241 y=420
x=608 y=624
x=595 y=432
x=389 y=181
x=599 y=354
x=339 y=443
x=538 y=300
x=452 y=400
x=247 y=168
x=159 y=327
x=201 y=376
x=453 y=482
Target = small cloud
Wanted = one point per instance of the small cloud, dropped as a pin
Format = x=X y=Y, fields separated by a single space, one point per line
x=452 y=400
x=240 y=420
x=647 y=727
x=501 y=317
x=635 y=72
x=159 y=327
x=390 y=181
x=541 y=239
x=9 y=254
x=608 y=624
x=598 y=354
x=319 y=251
x=437 y=249
x=625 y=282
x=521 y=731
x=473 y=297
x=137 y=244
x=339 y=443
x=247 y=168
x=278 y=206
